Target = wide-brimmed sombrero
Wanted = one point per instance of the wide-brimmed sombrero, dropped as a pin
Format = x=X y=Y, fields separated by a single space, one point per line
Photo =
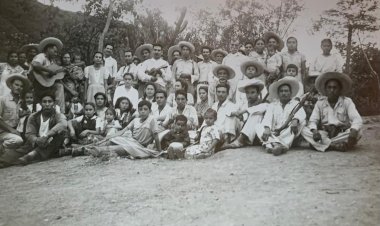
x=216 y=51
x=25 y=48
x=171 y=50
x=280 y=42
x=259 y=67
x=20 y=77
x=344 y=80
x=50 y=41
x=231 y=72
x=293 y=82
x=251 y=82
x=139 y=50
x=187 y=44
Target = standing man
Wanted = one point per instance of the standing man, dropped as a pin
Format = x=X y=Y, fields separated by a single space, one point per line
x=335 y=124
x=218 y=55
x=234 y=59
x=205 y=69
x=228 y=125
x=109 y=62
x=186 y=67
x=144 y=53
x=248 y=46
x=10 y=138
x=155 y=69
x=278 y=141
x=129 y=67
x=42 y=62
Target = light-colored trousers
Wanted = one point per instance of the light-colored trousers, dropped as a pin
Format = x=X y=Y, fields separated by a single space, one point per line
x=286 y=137
x=325 y=141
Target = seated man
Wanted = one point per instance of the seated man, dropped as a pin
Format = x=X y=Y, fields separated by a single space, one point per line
x=278 y=128
x=228 y=124
x=255 y=110
x=335 y=123
x=10 y=138
x=160 y=109
x=45 y=133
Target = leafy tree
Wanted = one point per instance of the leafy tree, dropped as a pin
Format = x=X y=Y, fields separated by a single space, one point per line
x=348 y=17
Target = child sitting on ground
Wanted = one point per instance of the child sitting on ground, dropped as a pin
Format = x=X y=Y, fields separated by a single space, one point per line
x=25 y=110
x=292 y=71
x=110 y=125
x=82 y=127
x=176 y=139
x=75 y=108
x=209 y=137
x=125 y=112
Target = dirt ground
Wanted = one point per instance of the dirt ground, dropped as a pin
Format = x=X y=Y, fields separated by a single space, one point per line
x=234 y=187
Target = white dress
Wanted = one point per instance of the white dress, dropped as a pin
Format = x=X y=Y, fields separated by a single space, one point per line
x=198 y=151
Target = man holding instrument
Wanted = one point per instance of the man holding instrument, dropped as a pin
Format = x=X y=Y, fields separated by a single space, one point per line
x=284 y=118
x=334 y=124
x=155 y=69
x=44 y=63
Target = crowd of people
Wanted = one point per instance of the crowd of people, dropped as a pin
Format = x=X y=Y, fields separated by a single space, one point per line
x=180 y=106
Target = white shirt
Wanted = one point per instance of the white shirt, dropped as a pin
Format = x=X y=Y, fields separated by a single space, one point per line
x=163 y=113
x=187 y=67
x=111 y=66
x=132 y=68
x=44 y=127
x=330 y=63
x=132 y=94
x=224 y=111
x=205 y=68
x=153 y=63
x=275 y=116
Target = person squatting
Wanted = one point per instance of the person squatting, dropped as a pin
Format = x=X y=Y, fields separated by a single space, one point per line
x=179 y=106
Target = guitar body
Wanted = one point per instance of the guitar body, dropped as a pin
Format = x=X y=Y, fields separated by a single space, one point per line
x=48 y=81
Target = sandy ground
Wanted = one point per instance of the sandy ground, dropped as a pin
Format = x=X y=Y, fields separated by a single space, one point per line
x=235 y=187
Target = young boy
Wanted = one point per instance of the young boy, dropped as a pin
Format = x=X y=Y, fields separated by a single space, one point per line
x=176 y=139
x=292 y=71
x=251 y=70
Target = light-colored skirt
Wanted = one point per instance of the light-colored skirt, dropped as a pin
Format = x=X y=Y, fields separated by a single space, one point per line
x=92 y=90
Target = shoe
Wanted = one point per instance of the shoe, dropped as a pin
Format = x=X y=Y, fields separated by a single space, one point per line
x=65 y=151
x=77 y=152
x=279 y=150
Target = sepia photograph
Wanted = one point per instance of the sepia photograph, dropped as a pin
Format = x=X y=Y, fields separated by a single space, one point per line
x=189 y=112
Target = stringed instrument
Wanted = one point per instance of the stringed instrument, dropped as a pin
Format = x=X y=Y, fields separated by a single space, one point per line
x=45 y=79
x=155 y=71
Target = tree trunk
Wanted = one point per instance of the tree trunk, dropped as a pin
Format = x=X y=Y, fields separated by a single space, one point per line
x=105 y=30
x=348 y=51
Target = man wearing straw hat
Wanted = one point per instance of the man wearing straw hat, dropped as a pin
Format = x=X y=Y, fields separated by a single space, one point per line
x=254 y=110
x=334 y=124
x=218 y=55
x=174 y=53
x=205 y=69
x=49 y=48
x=185 y=66
x=143 y=52
x=278 y=141
x=156 y=69
x=10 y=138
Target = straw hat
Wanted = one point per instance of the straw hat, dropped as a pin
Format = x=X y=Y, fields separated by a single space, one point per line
x=20 y=77
x=217 y=51
x=187 y=44
x=139 y=50
x=231 y=72
x=293 y=82
x=50 y=41
x=259 y=67
x=269 y=34
x=344 y=80
x=25 y=48
x=251 y=82
x=171 y=50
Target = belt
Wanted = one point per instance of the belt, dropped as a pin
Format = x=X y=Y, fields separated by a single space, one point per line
x=205 y=82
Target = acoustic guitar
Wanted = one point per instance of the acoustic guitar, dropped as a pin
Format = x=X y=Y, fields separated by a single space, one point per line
x=45 y=79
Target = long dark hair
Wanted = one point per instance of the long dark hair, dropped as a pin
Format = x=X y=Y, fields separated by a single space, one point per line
x=120 y=99
x=155 y=89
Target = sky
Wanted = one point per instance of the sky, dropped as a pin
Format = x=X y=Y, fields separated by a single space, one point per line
x=308 y=43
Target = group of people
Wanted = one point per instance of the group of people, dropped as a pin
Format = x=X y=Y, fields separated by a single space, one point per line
x=180 y=106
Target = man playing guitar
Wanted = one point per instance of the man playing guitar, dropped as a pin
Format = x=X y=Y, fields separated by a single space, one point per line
x=46 y=72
